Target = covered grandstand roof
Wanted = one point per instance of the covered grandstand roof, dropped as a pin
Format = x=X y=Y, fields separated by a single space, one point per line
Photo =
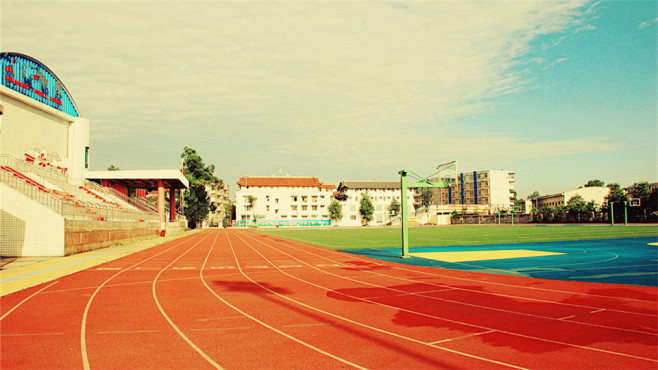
x=141 y=179
x=279 y=181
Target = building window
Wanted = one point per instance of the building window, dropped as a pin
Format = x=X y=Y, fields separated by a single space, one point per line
x=294 y=208
x=304 y=208
x=86 y=157
x=315 y=208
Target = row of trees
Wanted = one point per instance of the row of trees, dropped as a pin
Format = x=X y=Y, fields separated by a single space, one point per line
x=197 y=203
x=618 y=202
x=366 y=209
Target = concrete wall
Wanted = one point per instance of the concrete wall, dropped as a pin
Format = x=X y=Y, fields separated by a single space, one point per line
x=28 y=228
x=25 y=127
x=82 y=236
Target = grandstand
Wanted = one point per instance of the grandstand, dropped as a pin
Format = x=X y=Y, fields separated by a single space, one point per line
x=47 y=205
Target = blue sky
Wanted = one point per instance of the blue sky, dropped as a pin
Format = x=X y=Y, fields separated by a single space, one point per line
x=558 y=92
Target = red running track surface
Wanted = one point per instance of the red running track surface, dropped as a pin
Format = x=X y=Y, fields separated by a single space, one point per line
x=238 y=299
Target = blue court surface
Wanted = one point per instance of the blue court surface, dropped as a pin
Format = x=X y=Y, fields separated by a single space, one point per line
x=628 y=261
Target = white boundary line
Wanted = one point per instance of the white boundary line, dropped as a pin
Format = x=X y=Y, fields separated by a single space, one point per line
x=255 y=319
x=306 y=245
x=83 y=328
x=463 y=323
x=365 y=325
x=162 y=311
x=25 y=300
x=488 y=293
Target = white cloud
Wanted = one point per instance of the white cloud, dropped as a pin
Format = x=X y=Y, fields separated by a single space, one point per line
x=334 y=81
x=647 y=24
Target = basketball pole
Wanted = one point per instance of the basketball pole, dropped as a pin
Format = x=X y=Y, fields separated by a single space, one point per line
x=421 y=182
x=405 y=214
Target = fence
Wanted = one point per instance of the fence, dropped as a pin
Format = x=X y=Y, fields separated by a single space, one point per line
x=489 y=219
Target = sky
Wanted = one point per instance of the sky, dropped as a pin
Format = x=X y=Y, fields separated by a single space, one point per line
x=558 y=92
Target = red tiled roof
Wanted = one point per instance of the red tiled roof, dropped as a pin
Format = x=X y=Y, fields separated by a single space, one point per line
x=300 y=182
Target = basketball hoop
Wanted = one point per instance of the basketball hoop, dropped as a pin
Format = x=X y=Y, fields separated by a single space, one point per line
x=634 y=202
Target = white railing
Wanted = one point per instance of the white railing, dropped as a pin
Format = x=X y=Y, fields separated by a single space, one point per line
x=47 y=199
x=25 y=166
x=76 y=209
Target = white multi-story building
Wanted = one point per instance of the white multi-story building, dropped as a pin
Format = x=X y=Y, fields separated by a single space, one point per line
x=481 y=191
x=218 y=196
x=282 y=201
x=381 y=193
x=596 y=194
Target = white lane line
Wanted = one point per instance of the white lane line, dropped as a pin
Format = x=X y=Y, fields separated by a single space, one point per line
x=130 y=332
x=261 y=322
x=396 y=335
x=366 y=259
x=483 y=282
x=174 y=326
x=220 y=318
x=26 y=299
x=83 y=328
x=29 y=334
x=306 y=325
x=463 y=336
x=581 y=314
x=455 y=321
x=221 y=329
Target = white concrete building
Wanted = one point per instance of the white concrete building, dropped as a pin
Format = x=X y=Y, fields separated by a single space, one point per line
x=282 y=201
x=218 y=196
x=591 y=193
x=381 y=193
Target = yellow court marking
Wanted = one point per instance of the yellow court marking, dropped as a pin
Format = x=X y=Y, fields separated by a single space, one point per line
x=653 y=244
x=466 y=256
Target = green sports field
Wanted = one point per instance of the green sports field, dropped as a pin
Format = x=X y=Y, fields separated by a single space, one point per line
x=389 y=237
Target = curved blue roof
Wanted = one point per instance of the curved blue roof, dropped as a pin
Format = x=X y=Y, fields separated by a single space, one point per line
x=32 y=78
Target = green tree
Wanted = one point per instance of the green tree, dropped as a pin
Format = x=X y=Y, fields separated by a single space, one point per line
x=576 y=205
x=641 y=190
x=534 y=194
x=591 y=206
x=617 y=197
x=426 y=197
x=113 y=168
x=591 y=183
x=197 y=203
x=394 y=208
x=251 y=202
x=229 y=211
x=367 y=209
x=335 y=210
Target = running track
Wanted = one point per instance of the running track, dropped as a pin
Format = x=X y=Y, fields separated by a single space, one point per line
x=238 y=299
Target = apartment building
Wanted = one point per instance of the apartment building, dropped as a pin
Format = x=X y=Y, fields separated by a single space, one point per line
x=218 y=194
x=282 y=201
x=381 y=193
x=484 y=191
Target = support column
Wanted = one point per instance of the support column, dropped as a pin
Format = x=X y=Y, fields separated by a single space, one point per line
x=172 y=205
x=405 y=214
x=161 y=208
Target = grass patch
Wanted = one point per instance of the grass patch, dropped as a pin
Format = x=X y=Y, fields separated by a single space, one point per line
x=390 y=237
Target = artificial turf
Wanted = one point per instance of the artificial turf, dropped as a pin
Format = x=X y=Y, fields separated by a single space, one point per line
x=388 y=237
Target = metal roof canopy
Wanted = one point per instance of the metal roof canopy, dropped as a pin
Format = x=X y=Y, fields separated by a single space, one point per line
x=141 y=179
